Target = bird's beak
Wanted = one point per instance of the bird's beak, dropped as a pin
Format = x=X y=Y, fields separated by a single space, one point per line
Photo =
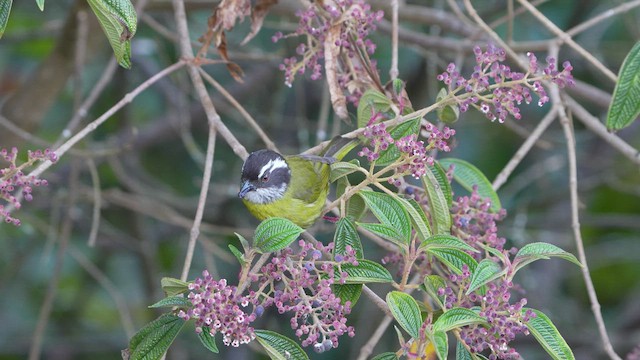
x=246 y=187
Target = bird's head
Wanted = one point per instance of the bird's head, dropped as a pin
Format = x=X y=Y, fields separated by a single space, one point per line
x=265 y=177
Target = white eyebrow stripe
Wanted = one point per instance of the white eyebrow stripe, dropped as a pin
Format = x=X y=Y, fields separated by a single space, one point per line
x=272 y=165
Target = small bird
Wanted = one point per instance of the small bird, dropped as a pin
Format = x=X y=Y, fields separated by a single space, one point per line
x=294 y=187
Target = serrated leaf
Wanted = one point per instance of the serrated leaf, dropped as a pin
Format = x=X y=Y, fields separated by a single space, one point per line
x=432 y=283
x=172 y=287
x=208 y=341
x=119 y=22
x=367 y=271
x=275 y=234
x=405 y=310
x=438 y=206
x=343 y=168
x=468 y=175
x=387 y=232
x=153 y=340
x=441 y=344
x=399 y=131
x=171 y=301
x=441 y=178
x=372 y=101
x=548 y=336
x=243 y=241
x=386 y=356
x=389 y=211
x=40 y=4
x=625 y=103
x=454 y=259
x=237 y=253
x=347 y=235
x=418 y=218
x=541 y=250
x=457 y=317
x=486 y=271
x=347 y=292
x=462 y=353
x=5 y=10
x=443 y=241
x=280 y=347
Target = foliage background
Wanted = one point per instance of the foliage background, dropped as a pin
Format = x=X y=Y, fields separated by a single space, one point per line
x=148 y=158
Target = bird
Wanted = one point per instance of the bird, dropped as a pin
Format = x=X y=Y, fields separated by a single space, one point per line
x=294 y=187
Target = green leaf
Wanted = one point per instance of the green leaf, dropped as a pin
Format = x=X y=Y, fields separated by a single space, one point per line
x=207 y=340
x=275 y=234
x=387 y=232
x=548 y=336
x=432 y=283
x=243 y=241
x=5 y=10
x=454 y=259
x=438 y=206
x=448 y=114
x=367 y=271
x=153 y=340
x=280 y=347
x=399 y=131
x=347 y=292
x=389 y=211
x=442 y=241
x=237 y=253
x=347 y=234
x=119 y=21
x=468 y=175
x=372 y=101
x=440 y=344
x=40 y=4
x=541 y=250
x=441 y=178
x=486 y=271
x=173 y=287
x=386 y=356
x=418 y=217
x=405 y=310
x=171 y=301
x=462 y=353
x=343 y=168
x=457 y=317
x=625 y=103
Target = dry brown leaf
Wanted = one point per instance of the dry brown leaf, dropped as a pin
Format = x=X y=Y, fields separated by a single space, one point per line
x=331 y=53
x=258 y=13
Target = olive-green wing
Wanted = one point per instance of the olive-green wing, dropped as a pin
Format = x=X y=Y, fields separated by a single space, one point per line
x=309 y=178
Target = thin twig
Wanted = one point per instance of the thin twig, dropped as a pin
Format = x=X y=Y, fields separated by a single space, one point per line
x=104 y=117
x=252 y=122
x=567 y=128
x=566 y=38
x=65 y=233
x=603 y=16
x=502 y=177
x=118 y=298
x=97 y=203
x=367 y=349
x=393 y=71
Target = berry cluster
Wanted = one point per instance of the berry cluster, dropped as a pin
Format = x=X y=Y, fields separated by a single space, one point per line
x=496 y=90
x=217 y=307
x=13 y=179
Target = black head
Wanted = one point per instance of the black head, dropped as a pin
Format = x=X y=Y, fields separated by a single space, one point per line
x=265 y=177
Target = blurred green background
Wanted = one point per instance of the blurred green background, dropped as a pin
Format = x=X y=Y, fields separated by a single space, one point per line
x=149 y=155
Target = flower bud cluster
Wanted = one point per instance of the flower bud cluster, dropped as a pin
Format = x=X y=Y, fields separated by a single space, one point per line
x=217 y=307
x=475 y=223
x=301 y=284
x=353 y=18
x=13 y=181
x=496 y=90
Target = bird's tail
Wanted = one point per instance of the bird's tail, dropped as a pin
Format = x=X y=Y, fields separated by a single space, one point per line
x=339 y=147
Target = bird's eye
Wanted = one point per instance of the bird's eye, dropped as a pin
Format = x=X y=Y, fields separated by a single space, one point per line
x=265 y=178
